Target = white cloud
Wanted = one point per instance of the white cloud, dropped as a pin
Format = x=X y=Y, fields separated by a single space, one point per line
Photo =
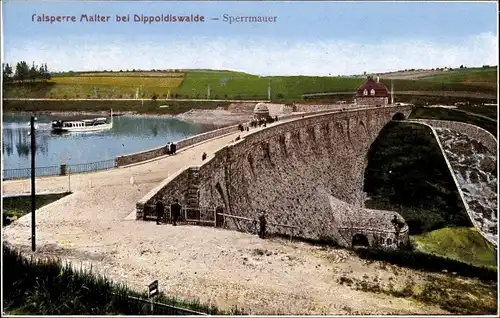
x=263 y=57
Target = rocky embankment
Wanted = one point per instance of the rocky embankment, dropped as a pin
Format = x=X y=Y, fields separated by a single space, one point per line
x=475 y=168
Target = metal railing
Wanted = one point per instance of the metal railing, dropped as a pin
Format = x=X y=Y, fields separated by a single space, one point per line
x=61 y=170
x=92 y=166
x=24 y=173
x=254 y=223
x=200 y=216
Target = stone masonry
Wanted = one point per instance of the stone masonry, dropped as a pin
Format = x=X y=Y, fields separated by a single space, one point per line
x=306 y=173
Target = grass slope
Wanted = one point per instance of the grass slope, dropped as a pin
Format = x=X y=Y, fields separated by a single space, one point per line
x=459 y=243
x=450 y=114
x=488 y=111
x=15 y=207
x=148 y=107
x=478 y=76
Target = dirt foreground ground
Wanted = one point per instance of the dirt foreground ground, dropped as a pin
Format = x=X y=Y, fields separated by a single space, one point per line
x=96 y=226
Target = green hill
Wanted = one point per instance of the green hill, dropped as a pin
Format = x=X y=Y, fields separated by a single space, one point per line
x=232 y=85
x=477 y=76
x=459 y=243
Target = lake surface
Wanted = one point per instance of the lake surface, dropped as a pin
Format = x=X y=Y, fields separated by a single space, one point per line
x=129 y=134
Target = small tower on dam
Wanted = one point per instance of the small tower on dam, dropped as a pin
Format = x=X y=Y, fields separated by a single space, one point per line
x=261 y=111
x=372 y=93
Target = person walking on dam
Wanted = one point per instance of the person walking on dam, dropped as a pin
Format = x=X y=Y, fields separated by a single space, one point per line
x=160 y=210
x=175 y=209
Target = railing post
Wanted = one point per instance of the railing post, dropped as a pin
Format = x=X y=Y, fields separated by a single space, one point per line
x=69 y=179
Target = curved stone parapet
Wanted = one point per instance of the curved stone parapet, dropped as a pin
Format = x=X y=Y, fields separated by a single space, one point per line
x=161 y=151
x=294 y=170
x=471 y=158
x=475 y=132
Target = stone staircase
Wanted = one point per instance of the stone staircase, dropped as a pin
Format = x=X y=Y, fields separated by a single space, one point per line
x=192 y=195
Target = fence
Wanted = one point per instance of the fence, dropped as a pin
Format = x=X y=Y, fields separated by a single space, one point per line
x=159 y=308
x=61 y=170
x=253 y=223
x=198 y=216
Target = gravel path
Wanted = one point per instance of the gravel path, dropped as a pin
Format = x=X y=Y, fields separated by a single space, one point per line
x=226 y=268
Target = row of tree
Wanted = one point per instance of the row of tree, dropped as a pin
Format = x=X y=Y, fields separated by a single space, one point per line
x=23 y=73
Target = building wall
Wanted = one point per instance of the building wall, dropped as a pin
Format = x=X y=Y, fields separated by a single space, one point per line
x=383 y=101
x=293 y=171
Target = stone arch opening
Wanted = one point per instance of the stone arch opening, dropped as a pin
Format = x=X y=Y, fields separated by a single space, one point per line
x=360 y=240
x=398 y=116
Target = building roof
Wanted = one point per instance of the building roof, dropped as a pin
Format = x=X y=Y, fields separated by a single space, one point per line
x=380 y=89
x=261 y=108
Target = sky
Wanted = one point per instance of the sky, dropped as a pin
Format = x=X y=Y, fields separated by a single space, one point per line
x=306 y=38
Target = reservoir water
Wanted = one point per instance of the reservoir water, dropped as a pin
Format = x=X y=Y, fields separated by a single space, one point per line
x=129 y=134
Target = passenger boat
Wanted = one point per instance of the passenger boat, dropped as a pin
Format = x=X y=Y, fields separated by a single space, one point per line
x=84 y=125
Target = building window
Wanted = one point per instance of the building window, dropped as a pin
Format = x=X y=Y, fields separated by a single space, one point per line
x=389 y=241
x=382 y=240
x=365 y=92
x=372 y=92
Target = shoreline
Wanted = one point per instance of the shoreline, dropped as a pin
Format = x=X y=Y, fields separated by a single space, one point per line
x=213 y=117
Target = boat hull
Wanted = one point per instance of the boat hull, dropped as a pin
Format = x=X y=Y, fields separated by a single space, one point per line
x=83 y=129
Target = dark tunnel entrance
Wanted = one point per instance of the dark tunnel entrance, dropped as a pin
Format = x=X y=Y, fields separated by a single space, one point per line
x=398 y=116
x=359 y=240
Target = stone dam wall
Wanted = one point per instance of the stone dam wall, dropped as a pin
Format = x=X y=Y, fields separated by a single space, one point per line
x=161 y=151
x=307 y=173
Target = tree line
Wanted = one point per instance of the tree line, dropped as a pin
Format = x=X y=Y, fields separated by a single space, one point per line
x=24 y=73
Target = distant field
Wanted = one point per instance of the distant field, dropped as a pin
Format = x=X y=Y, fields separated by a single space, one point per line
x=477 y=76
x=129 y=81
x=132 y=74
x=234 y=85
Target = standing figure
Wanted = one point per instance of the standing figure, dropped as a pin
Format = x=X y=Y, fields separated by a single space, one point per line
x=160 y=210
x=173 y=148
x=262 y=225
x=175 y=209
x=168 y=148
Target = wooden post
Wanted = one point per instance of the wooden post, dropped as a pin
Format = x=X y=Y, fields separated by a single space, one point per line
x=215 y=217
x=153 y=290
x=152 y=308
x=33 y=191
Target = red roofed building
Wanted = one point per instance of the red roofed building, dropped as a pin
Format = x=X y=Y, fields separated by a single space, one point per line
x=372 y=93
